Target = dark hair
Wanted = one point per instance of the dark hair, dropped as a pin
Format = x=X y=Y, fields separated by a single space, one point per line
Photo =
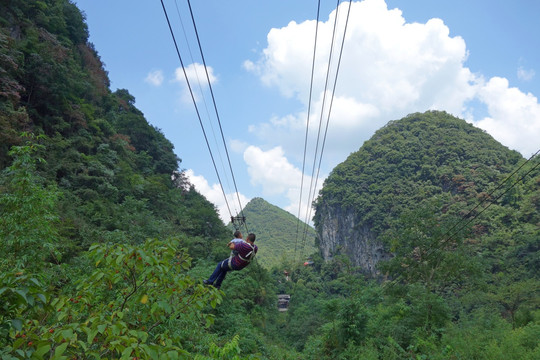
x=251 y=237
x=237 y=234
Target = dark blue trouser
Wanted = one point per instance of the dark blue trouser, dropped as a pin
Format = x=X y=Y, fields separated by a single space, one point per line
x=219 y=273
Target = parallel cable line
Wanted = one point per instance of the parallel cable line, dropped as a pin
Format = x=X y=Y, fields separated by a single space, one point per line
x=216 y=110
x=312 y=189
x=195 y=104
x=202 y=93
x=322 y=109
x=307 y=126
x=329 y=112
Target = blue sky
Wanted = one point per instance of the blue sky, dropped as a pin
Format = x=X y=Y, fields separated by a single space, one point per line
x=477 y=60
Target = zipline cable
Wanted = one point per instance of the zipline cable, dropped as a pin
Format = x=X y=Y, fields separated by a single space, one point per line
x=329 y=113
x=216 y=110
x=195 y=104
x=307 y=126
x=322 y=108
x=202 y=94
x=312 y=190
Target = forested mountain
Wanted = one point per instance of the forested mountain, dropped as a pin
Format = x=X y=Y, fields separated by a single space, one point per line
x=104 y=243
x=407 y=164
x=451 y=219
x=279 y=234
x=112 y=167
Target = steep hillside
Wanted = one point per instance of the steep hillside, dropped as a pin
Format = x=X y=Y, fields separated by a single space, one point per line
x=404 y=165
x=111 y=166
x=276 y=231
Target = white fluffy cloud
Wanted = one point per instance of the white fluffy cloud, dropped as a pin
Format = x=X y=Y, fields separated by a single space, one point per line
x=387 y=62
x=514 y=117
x=196 y=74
x=154 y=77
x=271 y=170
x=390 y=68
x=214 y=194
x=525 y=74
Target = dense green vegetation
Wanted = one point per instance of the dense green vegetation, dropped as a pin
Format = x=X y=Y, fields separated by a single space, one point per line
x=417 y=158
x=462 y=230
x=279 y=234
x=103 y=241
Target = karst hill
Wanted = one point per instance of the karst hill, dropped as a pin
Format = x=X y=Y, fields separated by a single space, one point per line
x=407 y=164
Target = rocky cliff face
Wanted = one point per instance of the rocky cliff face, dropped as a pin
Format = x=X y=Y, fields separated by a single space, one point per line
x=340 y=233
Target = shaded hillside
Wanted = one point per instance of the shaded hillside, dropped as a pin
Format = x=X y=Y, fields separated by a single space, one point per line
x=111 y=166
x=276 y=231
x=405 y=164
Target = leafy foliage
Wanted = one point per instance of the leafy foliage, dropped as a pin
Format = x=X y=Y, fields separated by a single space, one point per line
x=130 y=305
x=27 y=224
x=87 y=190
x=414 y=159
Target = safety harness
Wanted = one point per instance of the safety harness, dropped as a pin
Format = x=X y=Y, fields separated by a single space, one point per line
x=250 y=255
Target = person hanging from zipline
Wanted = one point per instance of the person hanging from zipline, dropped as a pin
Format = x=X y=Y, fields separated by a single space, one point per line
x=242 y=252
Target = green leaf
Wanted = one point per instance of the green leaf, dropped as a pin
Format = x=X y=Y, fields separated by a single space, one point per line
x=84 y=345
x=57 y=303
x=172 y=355
x=126 y=353
x=42 y=298
x=17 y=324
x=91 y=336
x=59 y=351
x=209 y=321
x=165 y=306
x=42 y=350
x=22 y=293
x=17 y=343
x=67 y=334
x=143 y=336
x=98 y=276
x=35 y=281
x=61 y=316
x=152 y=354
x=120 y=259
